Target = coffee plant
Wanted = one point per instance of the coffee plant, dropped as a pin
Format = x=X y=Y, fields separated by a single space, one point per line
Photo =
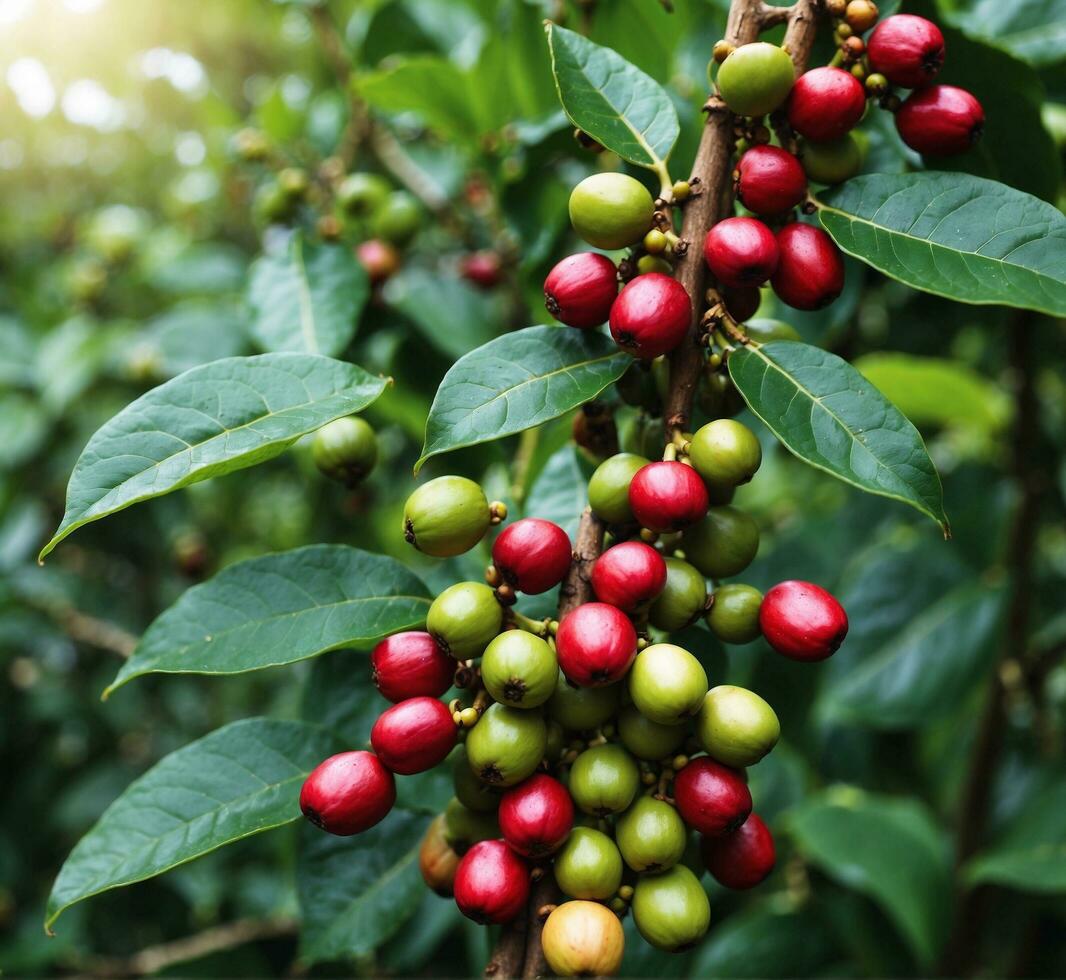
x=604 y=653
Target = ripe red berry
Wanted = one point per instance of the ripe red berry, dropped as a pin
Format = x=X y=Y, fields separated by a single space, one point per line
x=651 y=315
x=712 y=798
x=596 y=644
x=483 y=269
x=491 y=883
x=825 y=104
x=414 y=735
x=740 y=252
x=536 y=816
x=802 y=621
x=580 y=289
x=532 y=555
x=941 y=120
x=348 y=793
x=630 y=575
x=667 y=496
x=770 y=180
x=411 y=665
x=810 y=271
x=743 y=858
x=906 y=49
x=379 y=258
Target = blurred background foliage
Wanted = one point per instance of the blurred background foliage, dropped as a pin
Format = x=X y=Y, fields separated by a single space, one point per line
x=920 y=786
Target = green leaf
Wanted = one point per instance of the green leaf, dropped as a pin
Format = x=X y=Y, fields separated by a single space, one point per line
x=1033 y=30
x=612 y=100
x=279 y=609
x=966 y=238
x=211 y=420
x=307 y=298
x=886 y=848
x=517 y=381
x=451 y=315
x=830 y=416
x=194 y=333
x=432 y=87
x=239 y=780
x=560 y=492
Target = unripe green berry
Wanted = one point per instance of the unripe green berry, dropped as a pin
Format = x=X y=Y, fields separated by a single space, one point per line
x=671 y=910
x=604 y=780
x=580 y=709
x=651 y=835
x=654 y=263
x=506 y=745
x=667 y=683
x=655 y=242
x=681 y=190
x=611 y=210
x=588 y=865
x=397 y=219
x=682 y=600
x=718 y=396
x=723 y=544
x=469 y=790
x=272 y=204
x=345 y=449
x=464 y=827
x=725 y=452
x=756 y=78
x=876 y=84
x=464 y=618
x=736 y=727
x=362 y=194
x=647 y=739
x=446 y=517
x=293 y=182
x=734 y=614
x=609 y=487
x=519 y=669
x=835 y=162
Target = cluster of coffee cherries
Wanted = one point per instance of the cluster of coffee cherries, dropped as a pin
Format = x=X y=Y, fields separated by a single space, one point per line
x=590 y=748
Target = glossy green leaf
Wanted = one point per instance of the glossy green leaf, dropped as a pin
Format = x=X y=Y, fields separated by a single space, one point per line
x=560 y=492
x=1033 y=30
x=432 y=87
x=307 y=298
x=830 y=416
x=239 y=780
x=211 y=420
x=886 y=848
x=963 y=237
x=279 y=609
x=194 y=333
x=517 y=381
x=611 y=100
x=451 y=315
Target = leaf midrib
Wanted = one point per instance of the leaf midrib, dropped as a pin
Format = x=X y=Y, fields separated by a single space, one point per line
x=307 y=317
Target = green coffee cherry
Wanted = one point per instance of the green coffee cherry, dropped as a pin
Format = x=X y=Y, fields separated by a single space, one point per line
x=345 y=450
x=609 y=487
x=683 y=599
x=588 y=865
x=469 y=790
x=397 y=219
x=446 y=517
x=723 y=543
x=581 y=709
x=651 y=835
x=756 y=78
x=464 y=618
x=764 y=329
x=647 y=739
x=361 y=194
x=734 y=614
x=718 y=395
x=604 y=780
x=611 y=210
x=519 y=669
x=271 y=204
x=556 y=740
x=251 y=145
x=725 y=452
x=667 y=683
x=506 y=745
x=464 y=827
x=671 y=910
x=835 y=162
x=736 y=726
x=293 y=182
x=653 y=263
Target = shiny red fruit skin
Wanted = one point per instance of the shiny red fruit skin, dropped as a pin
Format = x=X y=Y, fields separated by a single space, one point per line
x=740 y=252
x=743 y=858
x=536 y=816
x=414 y=735
x=651 y=315
x=532 y=555
x=491 y=883
x=348 y=793
x=940 y=121
x=810 y=271
x=770 y=180
x=596 y=644
x=667 y=496
x=630 y=575
x=802 y=621
x=826 y=103
x=908 y=50
x=481 y=268
x=580 y=289
x=711 y=798
x=411 y=665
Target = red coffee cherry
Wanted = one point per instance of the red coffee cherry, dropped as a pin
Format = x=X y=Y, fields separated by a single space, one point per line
x=743 y=858
x=491 y=883
x=348 y=793
x=651 y=315
x=810 y=270
x=532 y=555
x=414 y=735
x=712 y=798
x=802 y=621
x=740 y=252
x=906 y=49
x=940 y=121
x=411 y=665
x=580 y=289
x=770 y=180
x=596 y=644
x=536 y=816
x=667 y=496
x=630 y=575
x=483 y=269
x=379 y=258
x=825 y=104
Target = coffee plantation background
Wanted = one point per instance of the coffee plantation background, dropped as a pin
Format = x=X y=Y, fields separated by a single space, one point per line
x=131 y=235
